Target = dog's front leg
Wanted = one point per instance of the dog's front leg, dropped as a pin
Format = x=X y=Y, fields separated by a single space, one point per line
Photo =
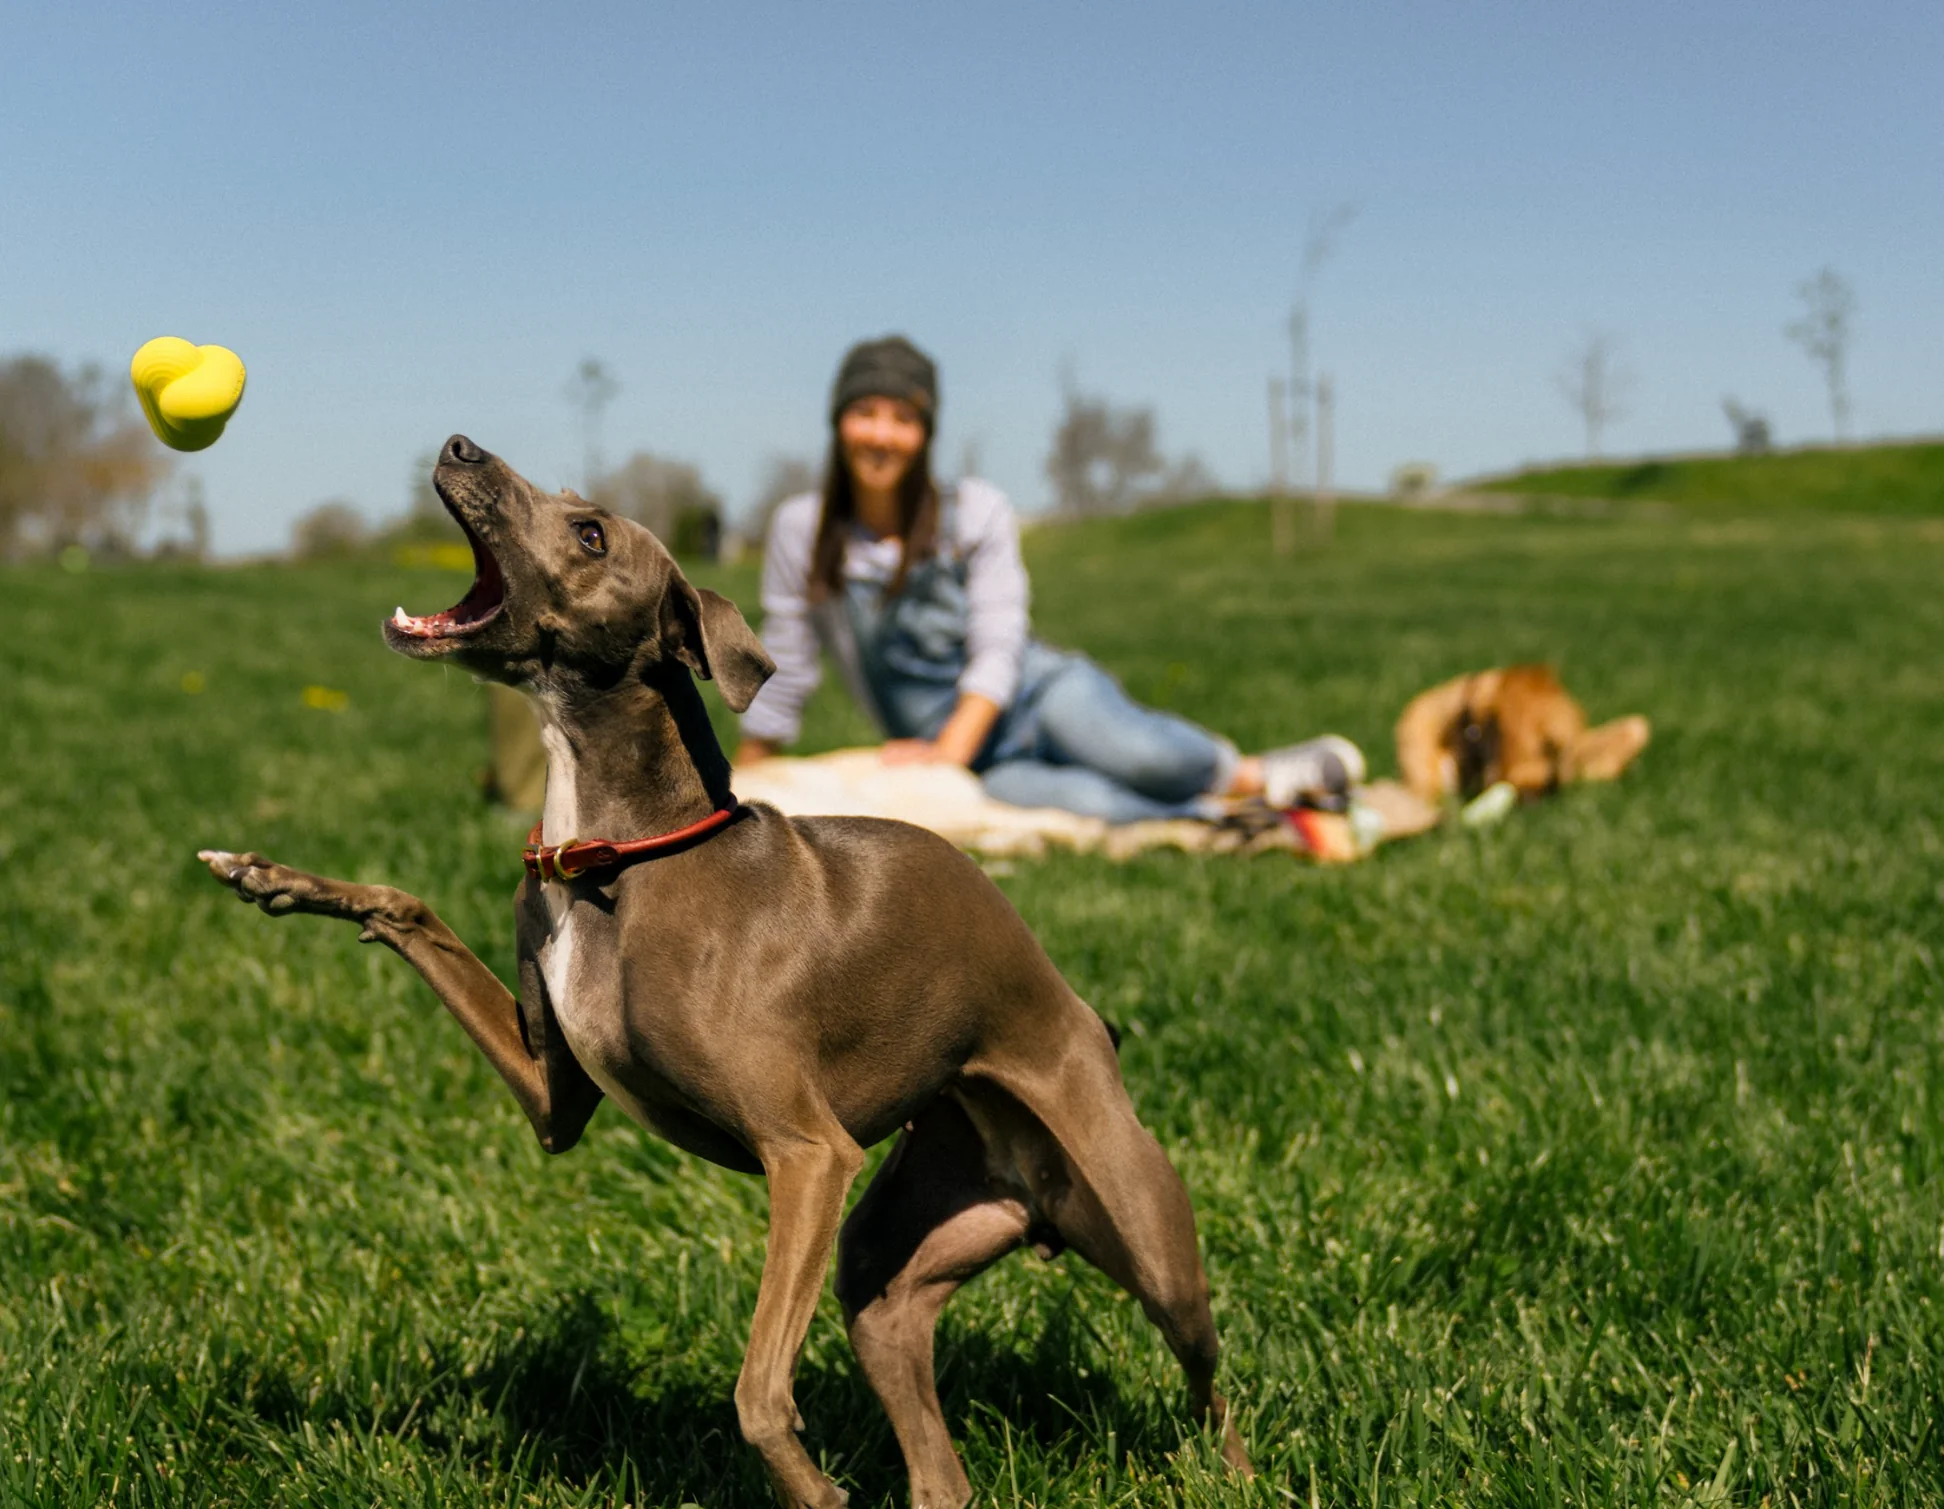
x=807 y=1184
x=410 y=928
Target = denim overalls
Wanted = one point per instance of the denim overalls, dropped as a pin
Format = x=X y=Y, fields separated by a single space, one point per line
x=1070 y=738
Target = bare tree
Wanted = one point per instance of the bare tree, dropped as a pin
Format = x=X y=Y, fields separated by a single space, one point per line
x=331 y=531
x=591 y=389
x=668 y=496
x=1413 y=480
x=1278 y=439
x=1101 y=455
x=1325 y=231
x=77 y=464
x=192 y=514
x=422 y=504
x=784 y=477
x=1187 y=480
x=1596 y=383
x=195 y=521
x=425 y=520
x=1824 y=333
x=1323 y=501
x=971 y=456
x=1105 y=459
x=1750 y=426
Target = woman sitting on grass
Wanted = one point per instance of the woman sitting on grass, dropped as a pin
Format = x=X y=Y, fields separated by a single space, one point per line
x=918 y=593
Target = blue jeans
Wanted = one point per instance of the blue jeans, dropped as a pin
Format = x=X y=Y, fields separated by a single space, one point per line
x=1074 y=739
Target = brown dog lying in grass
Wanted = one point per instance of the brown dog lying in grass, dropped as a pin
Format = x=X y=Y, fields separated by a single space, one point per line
x=1513 y=723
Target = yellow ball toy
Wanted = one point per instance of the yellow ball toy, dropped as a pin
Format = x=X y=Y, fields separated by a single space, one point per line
x=188 y=392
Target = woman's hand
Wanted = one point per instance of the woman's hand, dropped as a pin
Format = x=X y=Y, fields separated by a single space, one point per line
x=749 y=751
x=958 y=742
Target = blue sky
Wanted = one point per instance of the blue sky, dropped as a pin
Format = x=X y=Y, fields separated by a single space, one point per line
x=411 y=220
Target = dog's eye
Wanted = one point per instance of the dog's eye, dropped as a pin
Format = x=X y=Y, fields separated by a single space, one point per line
x=593 y=541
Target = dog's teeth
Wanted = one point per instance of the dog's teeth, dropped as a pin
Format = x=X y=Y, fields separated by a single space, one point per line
x=400 y=617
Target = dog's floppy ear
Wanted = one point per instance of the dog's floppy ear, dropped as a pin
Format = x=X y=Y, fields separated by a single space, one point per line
x=708 y=634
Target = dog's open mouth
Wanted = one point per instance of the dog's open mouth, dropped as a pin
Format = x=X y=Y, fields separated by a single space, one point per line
x=479 y=607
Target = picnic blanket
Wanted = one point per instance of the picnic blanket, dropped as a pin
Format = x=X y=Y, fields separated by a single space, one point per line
x=952 y=803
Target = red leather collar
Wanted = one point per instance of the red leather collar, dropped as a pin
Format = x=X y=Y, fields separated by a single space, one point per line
x=582 y=856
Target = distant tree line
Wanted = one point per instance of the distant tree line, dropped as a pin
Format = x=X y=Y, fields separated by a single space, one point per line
x=77 y=463
x=79 y=468
x=668 y=496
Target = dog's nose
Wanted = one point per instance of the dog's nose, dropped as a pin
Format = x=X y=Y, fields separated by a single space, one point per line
x=462 y=450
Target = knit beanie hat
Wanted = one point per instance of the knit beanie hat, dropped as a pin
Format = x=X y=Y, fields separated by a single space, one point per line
x=888 y=368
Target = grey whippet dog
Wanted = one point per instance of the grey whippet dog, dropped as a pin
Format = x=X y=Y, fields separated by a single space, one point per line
x=772 y=994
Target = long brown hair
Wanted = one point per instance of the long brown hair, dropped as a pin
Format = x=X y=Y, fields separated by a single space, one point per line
x=917 y=521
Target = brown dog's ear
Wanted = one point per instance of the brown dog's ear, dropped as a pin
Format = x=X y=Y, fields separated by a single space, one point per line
x=708 y=634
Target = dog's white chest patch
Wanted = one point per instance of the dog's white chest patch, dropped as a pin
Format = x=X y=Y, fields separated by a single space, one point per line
x=591 y=1024
x=557 y=955
x=558 y=825
x=586 y=1005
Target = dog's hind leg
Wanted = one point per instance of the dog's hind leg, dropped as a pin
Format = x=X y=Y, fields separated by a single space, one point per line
x=557 y=1097
x=1105 y=1185
x=930 y=1221
x=1601 y=754
x=1128 y=1214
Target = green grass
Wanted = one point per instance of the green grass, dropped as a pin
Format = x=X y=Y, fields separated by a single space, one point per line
x=1900 y=478
x=1594 y=1159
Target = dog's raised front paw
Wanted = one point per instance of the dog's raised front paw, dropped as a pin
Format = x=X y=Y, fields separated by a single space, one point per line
x=273 y=887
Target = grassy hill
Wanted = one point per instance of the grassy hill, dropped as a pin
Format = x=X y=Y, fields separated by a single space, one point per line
x=1901 y=478
x=1597 y=1158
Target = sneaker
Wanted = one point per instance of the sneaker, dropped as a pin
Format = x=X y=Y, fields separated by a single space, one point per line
x=1317 y=771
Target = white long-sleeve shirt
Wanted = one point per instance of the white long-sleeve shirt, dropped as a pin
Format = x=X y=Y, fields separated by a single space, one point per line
x=984 y=536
